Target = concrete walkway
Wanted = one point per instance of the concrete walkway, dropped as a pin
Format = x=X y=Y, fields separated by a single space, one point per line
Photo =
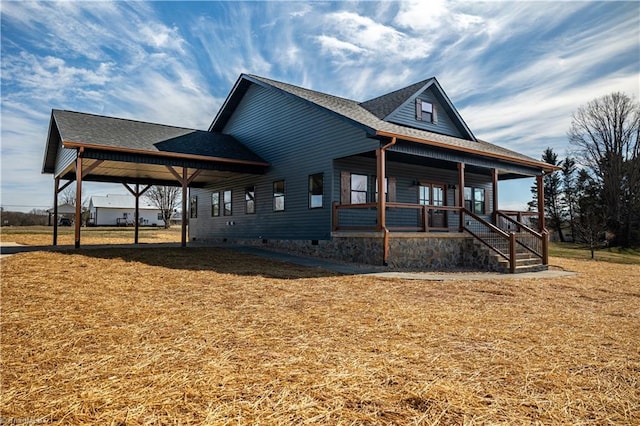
x=8 y=248
x=384 y=272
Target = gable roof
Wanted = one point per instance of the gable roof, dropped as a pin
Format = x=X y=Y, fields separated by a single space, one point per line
x=356 y=113
x=77 y=129
x=385 y=105
x=117 y=201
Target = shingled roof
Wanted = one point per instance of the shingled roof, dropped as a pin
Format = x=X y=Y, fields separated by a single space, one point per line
x=101 y=132
x=357 y=114
x=384 y=105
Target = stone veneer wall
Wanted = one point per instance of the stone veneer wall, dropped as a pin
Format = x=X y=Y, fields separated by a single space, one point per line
x=429 y=252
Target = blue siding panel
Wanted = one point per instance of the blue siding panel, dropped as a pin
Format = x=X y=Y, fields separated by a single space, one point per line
x=406 y=115
x=64 y=158
x=297 y=140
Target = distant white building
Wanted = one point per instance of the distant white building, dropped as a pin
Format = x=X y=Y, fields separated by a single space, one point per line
x=119 y=210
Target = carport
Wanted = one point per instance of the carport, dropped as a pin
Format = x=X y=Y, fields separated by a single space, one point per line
x=85 y=147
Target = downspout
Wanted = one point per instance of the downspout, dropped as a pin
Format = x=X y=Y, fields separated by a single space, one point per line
x=382 y=218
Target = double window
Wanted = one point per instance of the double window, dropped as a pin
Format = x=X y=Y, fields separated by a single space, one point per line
x=361 y=189
x=431 y=194
x=475 y=199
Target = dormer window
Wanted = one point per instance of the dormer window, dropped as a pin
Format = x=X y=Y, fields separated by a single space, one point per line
x=426 y=111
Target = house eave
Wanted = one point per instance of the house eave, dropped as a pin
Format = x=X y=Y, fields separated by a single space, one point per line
x=78 y=145
x=545 y=167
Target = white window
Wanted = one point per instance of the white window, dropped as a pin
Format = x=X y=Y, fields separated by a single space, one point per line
x=426 y=111
x=359 y=185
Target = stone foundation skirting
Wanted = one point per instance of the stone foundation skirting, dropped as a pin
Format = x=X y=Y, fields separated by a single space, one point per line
x=409 y=251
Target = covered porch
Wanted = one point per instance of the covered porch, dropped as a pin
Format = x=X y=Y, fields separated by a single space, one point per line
x=431 y=194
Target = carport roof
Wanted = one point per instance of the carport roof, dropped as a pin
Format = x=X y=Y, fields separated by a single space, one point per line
x=76 y=129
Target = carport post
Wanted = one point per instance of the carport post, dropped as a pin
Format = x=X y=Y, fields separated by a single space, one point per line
x=136 y=193
x=56 y=183
x=78 y=196
x=184 y=206
x=184 y=180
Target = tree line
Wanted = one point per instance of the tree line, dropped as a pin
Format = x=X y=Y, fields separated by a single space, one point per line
x=595 y=197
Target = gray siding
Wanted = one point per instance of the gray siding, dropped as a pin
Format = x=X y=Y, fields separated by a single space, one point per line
x=406 y=116
x=406 y=191
x=297 y=139
x=64 y=158
x=459 y=157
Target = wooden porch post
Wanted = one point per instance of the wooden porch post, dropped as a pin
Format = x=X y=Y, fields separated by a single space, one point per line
x=136 y=216
x=136 y=193
x=461 y=194
x=184 y=180
x=540 y=185
x=78 y=221
x=184 y=207
x=382 y=198
x=56 y=184
x=495 y=196
x=382 y=216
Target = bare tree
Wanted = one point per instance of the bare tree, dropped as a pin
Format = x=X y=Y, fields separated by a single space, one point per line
x=166 y=198
x=68 y=196
x=606 y=134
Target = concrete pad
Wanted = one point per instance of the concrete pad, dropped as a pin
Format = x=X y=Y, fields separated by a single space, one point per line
x=472 y=276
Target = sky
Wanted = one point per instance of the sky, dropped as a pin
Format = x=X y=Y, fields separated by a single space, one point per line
x=516 y=71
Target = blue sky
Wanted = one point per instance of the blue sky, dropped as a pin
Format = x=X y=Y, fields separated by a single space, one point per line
x=516 y=71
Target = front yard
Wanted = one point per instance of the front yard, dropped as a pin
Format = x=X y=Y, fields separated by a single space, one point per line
x=209 y=336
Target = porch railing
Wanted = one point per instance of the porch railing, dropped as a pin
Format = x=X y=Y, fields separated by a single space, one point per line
x=491 y=236
x=424 y=220
x=502 y=238
x=533 y=241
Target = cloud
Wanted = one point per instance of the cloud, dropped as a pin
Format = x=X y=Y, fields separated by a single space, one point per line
x=370 y=39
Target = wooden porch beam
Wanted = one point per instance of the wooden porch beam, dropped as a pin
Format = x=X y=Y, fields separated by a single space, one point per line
x=91 y=168
x=63 y=187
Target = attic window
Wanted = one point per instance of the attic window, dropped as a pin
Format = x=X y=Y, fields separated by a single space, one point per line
x=426 y=111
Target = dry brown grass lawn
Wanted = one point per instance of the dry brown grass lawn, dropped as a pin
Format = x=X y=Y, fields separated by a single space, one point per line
x=208 y=336
x=43 y=235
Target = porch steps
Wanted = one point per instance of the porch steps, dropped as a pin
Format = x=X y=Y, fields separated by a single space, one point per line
x=525 y=260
